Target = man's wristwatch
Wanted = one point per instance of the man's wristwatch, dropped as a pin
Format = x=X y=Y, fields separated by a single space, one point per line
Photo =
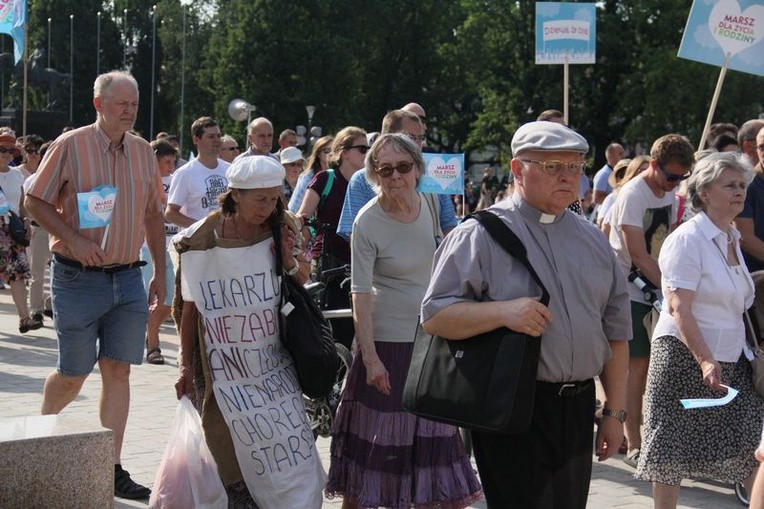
x=619 y=415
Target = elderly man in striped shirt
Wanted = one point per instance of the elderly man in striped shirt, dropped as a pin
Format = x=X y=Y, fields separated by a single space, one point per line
x=97 y=192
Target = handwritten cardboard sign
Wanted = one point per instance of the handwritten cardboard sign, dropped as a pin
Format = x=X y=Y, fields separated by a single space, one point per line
x=253 y=377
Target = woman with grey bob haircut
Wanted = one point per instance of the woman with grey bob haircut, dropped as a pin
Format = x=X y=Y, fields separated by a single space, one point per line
x=707 y=170
x=699 y=344
x=381 y=455
x=401 y=143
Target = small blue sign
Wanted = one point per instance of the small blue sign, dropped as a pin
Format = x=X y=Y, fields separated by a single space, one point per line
x=716 y=29
x=566 y=32
x=95 y=208
x=443 y=174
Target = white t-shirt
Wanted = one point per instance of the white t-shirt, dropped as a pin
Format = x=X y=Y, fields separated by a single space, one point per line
x=694 y=258
x=636 y=205
x=11 y=182
x=196 y=188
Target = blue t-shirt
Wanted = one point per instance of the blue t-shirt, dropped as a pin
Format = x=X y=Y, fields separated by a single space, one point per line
x=600 y=179
x=754 y=209
x=359 y=193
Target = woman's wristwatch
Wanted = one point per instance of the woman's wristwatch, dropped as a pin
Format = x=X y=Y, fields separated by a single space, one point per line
x=619 y=415
x=293 y=270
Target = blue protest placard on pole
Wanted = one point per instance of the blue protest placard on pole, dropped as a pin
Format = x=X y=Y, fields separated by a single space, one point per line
x=717 y=29
x=443 y=174
x=565 y=33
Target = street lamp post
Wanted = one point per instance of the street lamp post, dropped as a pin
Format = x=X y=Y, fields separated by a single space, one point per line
x=153 y=68
x=124 y=31
x=98 y=45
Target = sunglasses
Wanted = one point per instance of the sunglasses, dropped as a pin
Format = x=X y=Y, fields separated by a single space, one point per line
x=7 y=150
x=671 y=177
x=230 y=148
x=361 y=148
x=386 y=171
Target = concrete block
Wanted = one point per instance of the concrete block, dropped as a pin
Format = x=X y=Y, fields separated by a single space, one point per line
x=56 y=461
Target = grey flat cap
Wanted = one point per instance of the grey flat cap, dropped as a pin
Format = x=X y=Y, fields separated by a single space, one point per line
x=547 y=137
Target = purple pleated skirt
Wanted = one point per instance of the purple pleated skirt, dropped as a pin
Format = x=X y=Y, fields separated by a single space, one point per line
x=384 y=456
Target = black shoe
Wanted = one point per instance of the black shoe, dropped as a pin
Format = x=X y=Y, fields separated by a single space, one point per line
x=48 y=313
x=37 y=317
x=124 y=487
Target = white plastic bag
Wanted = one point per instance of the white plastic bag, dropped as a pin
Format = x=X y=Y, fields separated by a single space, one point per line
x=188 y=476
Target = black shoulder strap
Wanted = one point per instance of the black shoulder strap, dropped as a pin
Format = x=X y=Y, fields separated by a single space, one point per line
x=507 y=239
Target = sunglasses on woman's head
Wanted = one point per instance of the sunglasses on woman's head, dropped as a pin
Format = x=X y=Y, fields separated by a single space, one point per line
x=387 y=170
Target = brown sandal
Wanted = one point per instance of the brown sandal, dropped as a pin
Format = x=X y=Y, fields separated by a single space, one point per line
x=27 y=324
x=154 y=356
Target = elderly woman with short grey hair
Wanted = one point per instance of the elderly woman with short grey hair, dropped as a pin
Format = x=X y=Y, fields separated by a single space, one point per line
x=381 y=455
x=699 y=344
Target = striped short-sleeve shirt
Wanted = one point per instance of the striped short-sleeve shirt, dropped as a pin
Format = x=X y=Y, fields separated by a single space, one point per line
x=83 y=159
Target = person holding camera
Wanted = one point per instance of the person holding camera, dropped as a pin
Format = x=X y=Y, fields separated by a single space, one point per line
x=645 y=212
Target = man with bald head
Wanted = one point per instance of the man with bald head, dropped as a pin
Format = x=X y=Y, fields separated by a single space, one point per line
x=260 y=137
x=100 y=306
x=613 y=153
x=477 y=287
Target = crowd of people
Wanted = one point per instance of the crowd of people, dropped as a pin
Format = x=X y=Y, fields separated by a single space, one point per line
x=648 y=271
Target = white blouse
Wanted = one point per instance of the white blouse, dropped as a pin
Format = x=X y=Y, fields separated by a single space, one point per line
x=694 y=258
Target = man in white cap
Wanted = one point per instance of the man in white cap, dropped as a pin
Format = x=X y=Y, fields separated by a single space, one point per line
x=477 y=287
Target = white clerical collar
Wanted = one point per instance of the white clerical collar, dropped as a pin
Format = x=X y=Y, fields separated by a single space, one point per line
x=547 y=218
x=533 y=213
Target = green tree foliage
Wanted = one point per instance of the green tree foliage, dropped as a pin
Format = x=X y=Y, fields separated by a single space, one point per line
x=470 y=63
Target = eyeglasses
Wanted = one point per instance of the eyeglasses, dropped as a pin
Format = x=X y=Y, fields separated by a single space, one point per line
x=556 y=168
x=418 y=139
x=7 y=150
x=230 y=148
x=361 y=148
x=671 y=177
x=386 y=171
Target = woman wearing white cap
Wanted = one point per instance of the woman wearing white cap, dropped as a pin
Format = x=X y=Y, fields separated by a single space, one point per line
x=292 y=160
x=231 y=355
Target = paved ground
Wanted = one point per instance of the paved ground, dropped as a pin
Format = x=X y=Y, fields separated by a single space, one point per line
x=25 y=360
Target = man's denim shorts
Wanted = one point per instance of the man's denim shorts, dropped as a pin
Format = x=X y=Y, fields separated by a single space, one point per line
x=97 y=315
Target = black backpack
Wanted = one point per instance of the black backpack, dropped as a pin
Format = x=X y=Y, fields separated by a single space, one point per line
x=306 y=334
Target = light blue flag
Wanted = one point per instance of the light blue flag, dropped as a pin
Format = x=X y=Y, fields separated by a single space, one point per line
x=719 y=28
x=13 y=16
x=709 y=402
x=444 y=174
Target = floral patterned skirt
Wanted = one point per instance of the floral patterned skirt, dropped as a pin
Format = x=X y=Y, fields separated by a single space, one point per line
x=713 y=443
x=14 y=265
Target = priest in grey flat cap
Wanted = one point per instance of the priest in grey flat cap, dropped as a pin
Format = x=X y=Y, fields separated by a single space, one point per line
x=477 y=287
